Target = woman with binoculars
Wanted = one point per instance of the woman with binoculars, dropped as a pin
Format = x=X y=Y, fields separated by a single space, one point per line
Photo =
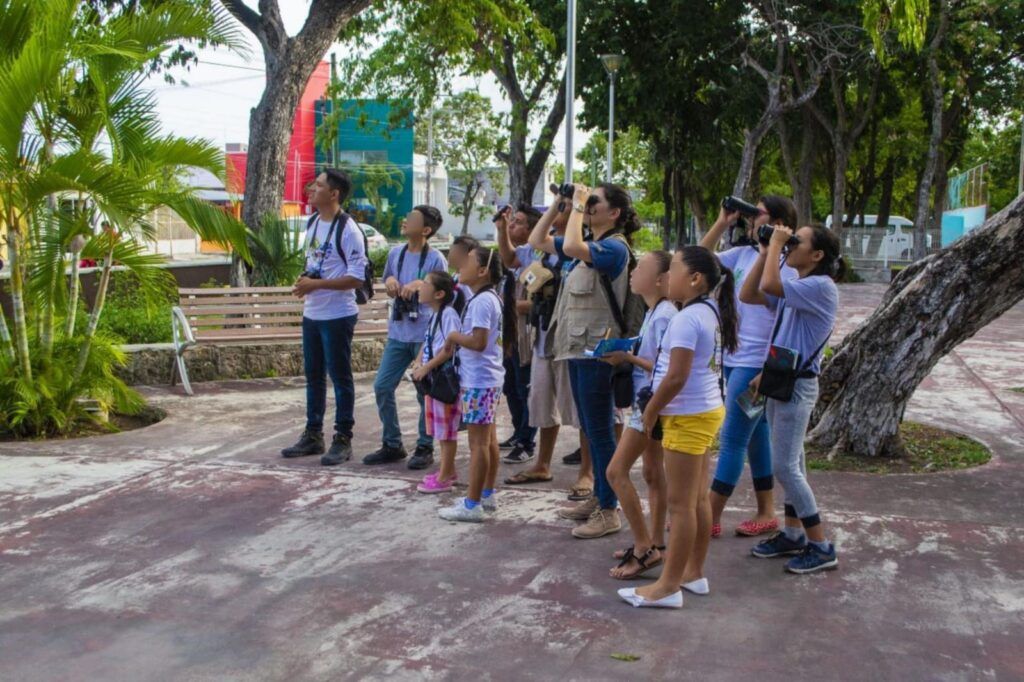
x=746 y=433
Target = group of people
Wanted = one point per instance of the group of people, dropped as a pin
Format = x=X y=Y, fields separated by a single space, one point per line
x=729 y=347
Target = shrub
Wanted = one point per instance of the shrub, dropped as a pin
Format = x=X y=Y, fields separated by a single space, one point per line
x=645 y=240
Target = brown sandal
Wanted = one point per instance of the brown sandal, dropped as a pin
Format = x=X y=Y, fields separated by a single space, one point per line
x=525 y=477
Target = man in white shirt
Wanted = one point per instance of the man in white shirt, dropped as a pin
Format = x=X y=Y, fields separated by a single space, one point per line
x=335 y=267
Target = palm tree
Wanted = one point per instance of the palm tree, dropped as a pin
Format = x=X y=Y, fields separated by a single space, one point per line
x=75 y=119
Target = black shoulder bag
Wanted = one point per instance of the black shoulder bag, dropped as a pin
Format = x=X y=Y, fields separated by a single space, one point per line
x=782 y=367
x=440 y=383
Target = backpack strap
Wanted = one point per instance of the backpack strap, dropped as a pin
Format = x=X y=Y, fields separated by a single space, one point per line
x=805 y=367
x=606 y=283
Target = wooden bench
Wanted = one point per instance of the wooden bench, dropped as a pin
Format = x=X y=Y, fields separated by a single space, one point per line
x=246 y=314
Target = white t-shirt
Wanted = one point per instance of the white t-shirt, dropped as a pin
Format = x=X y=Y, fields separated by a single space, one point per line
x=525 y=253
x=755 y=322
x=322 y=257
x=483 y=369
x=436 y=336
x=652 y=330
x=695 y=328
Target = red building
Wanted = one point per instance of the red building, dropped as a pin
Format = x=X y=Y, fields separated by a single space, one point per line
x=301 y=163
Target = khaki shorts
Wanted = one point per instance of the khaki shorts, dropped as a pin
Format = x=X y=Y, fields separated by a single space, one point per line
x=550 y=402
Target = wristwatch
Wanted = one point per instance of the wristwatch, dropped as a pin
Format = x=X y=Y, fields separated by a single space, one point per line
x=578 y=206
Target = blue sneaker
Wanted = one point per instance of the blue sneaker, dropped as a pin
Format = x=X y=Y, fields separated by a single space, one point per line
x=779 y=545
x=813 y=559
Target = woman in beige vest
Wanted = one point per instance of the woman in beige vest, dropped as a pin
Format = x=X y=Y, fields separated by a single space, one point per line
x=583 y=317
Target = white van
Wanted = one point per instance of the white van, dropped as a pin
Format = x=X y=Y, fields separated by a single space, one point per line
x=870 y=219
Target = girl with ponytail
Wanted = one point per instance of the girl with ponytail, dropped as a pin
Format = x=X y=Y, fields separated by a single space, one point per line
x=686 y=405
x=805 y=310
x=481 y=376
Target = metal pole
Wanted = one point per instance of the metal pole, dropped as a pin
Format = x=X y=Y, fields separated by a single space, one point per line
x=570 y=84
x=611 y=126
x=430 y=153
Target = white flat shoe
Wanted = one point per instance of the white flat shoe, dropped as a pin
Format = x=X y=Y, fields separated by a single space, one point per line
x=672 y=601
x=699 y=586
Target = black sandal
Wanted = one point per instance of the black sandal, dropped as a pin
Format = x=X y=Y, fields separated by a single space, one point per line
x=640 y=560
x=660 y=548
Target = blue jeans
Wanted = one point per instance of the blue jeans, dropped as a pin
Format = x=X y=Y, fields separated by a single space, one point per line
x=591 y=382
x=398 y=355
x=327 y=349
x=741 y=436
x=517 y=393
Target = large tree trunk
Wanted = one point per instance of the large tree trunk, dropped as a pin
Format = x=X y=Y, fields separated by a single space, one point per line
x=933 y=306
x=842 y=160
x=290 y=62
x=803 y=190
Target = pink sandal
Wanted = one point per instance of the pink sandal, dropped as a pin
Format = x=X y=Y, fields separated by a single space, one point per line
x=432 y=484
x=751 y=528
x=716 y=530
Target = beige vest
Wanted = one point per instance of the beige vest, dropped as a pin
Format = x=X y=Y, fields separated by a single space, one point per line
x=583 y=314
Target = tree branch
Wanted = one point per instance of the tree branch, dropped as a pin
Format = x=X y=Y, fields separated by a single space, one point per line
x=542 y=149
x=245 y=15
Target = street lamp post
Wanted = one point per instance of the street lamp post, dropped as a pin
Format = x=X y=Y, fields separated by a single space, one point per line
x=570 y=84
x=611 y=62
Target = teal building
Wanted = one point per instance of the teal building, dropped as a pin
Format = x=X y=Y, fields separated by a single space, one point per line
x=377 y=152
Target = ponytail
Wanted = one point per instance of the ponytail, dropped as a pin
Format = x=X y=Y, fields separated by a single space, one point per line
x=721 y=286
x=832 y=263
x=617 y=197
x=725 y=297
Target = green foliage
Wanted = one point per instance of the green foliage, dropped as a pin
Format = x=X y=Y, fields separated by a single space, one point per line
x=76 y=121
x=137 y=314
x=467 y=138
x=645 y=240
x=277 y=253
x=49 y=404
x=998 y=145
x=379 y=258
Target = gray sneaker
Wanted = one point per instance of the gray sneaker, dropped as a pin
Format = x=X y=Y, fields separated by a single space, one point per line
x=459 y=512
x=490 y=504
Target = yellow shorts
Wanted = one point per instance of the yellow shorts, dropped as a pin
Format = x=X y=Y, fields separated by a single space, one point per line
x=692 y=434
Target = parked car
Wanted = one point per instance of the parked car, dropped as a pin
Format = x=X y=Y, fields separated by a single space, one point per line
x=374 y=239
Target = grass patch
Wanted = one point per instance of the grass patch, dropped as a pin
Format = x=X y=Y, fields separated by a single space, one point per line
x=929 y=449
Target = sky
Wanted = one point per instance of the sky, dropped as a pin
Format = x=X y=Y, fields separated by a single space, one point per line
x=212 y=99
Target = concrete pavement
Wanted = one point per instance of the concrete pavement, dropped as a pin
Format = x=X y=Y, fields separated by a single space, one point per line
x=191 y=550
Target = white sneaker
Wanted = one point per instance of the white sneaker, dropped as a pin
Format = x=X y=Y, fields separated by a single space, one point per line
x=490 y=504
x=699 y=586
x=672 y=601
x=459 y=512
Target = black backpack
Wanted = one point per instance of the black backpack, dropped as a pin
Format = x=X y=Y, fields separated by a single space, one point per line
x=364 y=292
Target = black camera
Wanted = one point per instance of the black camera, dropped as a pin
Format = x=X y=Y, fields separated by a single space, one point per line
x=500 y=213
x=643 y=397
x=406 y=308
x=738 y=235
x=310 y=275
x=733 y=204
x=764 y=235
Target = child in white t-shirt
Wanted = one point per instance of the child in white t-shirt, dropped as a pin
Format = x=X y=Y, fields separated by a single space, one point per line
x=687 y=404
x=481 y=376
x=442 y=419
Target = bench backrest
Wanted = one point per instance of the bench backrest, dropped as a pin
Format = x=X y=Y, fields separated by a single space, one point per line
x=257 y=313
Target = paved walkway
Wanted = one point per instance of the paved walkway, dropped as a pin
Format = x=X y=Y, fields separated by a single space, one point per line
x=190 y=550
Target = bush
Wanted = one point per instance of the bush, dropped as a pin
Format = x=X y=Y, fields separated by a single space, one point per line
x=645 y=240
x=851 y=276
x=379 y=257
x=131 y=318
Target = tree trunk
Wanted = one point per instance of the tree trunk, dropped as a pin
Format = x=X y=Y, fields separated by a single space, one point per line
x=6 y=342
x=94 y=316
x=679 y=200
x=933 y=306
x=924 y=190
x=751 y=142
x=666 y=198
x=524 y=173
x=803 y=192
x=885 y=201
x=842 y=160
x=18 y=296
x=289 y=62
